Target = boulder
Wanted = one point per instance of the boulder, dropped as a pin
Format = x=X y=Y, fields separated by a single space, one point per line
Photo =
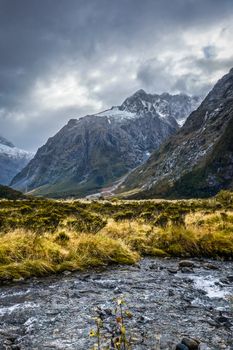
x=191 y=344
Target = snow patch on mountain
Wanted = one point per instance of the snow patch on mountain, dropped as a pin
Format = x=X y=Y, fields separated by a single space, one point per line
x=14 y=152
x=115 y=112
x=166 y=107
x=12 y=160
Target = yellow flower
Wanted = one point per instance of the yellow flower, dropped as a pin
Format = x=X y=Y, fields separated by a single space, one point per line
x=123 y=330
x=128 y=314
x=92 y=333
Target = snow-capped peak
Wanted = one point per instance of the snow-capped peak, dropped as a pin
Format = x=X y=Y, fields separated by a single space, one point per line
x=164 y=106
x=116 y=112
x=14 y=152
x=171 y=109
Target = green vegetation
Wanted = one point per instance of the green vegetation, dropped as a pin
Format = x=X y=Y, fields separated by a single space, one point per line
x=111 y=332
x=39 y=236
x=9 y=193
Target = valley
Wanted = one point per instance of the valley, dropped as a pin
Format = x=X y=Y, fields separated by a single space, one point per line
x=116 y=175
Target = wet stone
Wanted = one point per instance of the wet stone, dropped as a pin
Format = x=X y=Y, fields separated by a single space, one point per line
x=210 y=266
x=186 y=270
x=57 y=312
x=181 y=346
x=190 y=343
x=172 y=270
x=230 y=278
x=186 y=263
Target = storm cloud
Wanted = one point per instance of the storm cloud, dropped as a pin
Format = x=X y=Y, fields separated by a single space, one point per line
x=64 y=59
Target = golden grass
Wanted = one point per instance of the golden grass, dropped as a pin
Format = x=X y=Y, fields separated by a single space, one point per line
x=138 y=236
x=25 y=253
x=191 y=240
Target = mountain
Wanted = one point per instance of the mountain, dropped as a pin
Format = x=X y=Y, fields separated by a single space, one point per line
x=8 y=193
x=12 y=160
x=90 y=153
x=198 y=160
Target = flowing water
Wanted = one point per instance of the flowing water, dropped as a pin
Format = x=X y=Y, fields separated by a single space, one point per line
x=167 y=304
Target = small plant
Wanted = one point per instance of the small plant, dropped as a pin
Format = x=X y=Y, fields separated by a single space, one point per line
x=110 y=328
x=97 y=332
x=62 y=237
x=162 y=220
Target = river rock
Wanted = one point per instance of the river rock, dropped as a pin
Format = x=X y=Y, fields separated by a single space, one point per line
x=186 y=270
x=230 y=278
x=210 y=266
x=181 y=346
x=225 y=321
x=66 y=273
x=171 y=270
x=186 y=263
x=191 y=344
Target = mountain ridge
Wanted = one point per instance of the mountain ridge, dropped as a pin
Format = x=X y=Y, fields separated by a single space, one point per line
x=92 y=152
x=182 y=166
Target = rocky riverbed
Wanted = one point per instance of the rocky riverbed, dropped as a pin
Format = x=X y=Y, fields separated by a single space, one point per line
x=169 y=299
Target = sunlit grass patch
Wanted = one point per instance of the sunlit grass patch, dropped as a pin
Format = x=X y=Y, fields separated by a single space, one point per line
x=138 y=236
x=24 y=254
x=38 y=237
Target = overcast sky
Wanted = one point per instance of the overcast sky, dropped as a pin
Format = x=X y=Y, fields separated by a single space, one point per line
x=62 y=59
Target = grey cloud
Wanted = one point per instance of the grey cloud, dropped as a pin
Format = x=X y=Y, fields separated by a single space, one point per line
x=41 y=39
x=209 y=51
x=190 y=84
x=211 y=65
x=155 y=76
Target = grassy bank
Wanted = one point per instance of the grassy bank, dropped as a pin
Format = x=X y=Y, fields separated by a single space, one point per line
x=39 y=237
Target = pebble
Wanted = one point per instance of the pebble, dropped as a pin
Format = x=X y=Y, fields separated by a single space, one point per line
x=66 y=273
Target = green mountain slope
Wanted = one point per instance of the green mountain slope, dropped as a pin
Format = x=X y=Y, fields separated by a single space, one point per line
x=198 y=160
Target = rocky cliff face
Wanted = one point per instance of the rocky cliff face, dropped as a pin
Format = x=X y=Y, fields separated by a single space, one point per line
x=92 y=152
x=198 y=160
x=12 y=160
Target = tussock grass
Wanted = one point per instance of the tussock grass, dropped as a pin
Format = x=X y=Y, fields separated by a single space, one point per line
x=138 y=236
x=192 y=240
x=24 y=254
x=39 y=237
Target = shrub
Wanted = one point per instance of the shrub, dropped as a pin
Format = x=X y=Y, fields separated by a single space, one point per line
x=62 y=237
x=127 y=215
